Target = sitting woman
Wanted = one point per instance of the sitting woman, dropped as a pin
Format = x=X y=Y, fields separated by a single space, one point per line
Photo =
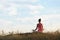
x=39 y=26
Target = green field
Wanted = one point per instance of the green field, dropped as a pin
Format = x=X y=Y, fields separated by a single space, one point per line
x=32 y=36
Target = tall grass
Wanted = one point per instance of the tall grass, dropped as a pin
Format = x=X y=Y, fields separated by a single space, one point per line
x=32 y=36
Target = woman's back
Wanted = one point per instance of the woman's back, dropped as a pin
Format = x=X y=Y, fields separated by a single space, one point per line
x=40 y=27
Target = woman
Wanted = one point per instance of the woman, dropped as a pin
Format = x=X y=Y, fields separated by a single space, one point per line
x=39 y=26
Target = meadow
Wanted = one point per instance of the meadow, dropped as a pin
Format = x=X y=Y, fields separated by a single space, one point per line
x=32 y=36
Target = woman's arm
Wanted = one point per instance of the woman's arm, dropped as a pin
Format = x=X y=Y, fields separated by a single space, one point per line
x=36 y=27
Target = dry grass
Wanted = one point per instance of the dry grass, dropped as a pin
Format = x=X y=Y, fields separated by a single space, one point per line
x=32 y=36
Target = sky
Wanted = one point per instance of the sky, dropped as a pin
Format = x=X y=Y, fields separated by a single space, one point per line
x=23 y=15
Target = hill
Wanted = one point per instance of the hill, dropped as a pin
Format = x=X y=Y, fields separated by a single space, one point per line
x=32 y=36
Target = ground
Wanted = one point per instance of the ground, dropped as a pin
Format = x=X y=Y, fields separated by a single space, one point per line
x=32 y=36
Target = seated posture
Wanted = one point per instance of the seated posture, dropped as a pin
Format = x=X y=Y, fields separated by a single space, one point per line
x=39 y=26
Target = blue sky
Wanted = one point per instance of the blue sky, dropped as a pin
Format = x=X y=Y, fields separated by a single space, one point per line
x=22 y=15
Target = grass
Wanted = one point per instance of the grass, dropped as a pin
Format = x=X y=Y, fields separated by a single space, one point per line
x=32 y=36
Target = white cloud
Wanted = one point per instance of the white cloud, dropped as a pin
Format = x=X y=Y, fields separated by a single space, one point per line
x=1 y=6
x=43 y=17
x=4 y=24
x=35 y=12
x=23 y=0
x=35 y=9
x=53 y=0
x=24 y=27
x=12 y=11
x=51 y=16
x=8 y=8
x=34 y=0
x=7 y=26
x=25 y=19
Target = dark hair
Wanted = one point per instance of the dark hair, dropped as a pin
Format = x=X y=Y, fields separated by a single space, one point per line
x=39 y=20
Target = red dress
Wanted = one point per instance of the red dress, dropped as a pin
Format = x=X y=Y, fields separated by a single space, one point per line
x=40 y=27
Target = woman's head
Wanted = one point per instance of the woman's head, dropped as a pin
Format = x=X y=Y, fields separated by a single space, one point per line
x=39 y=20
